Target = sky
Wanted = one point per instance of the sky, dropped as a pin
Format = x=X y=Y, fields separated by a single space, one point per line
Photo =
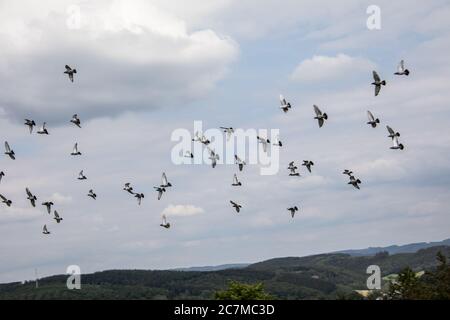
x=148 y=68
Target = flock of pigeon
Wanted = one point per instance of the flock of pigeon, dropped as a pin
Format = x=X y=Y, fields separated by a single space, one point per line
x=285 y=106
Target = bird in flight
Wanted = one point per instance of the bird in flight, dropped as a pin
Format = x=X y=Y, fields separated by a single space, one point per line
x=277 y=142
x=308 y=164
x=31 y=197
x=392 y=133
x=81 y=176
x=229 y=131
x=201 y=139
x=348 y=172
x=75 y=151
x=377 y=83
x=5 y=201
x=264 y=142
x=76 y=121
x=236 y=182
x=189 y=154
x=2 y=174
x=42 y=129
x=239 y=162
x=355 y=182
x=92 y=194
x=139 y=197
x=164 y=223
x=236 y=206
x=397 y=145
x=30 y=124
x=372 y=121
x=48 y=204
x=160 y=191
x=401 y=70
x=213 y=157
x=128 y=188
x=293 y=170
x=164 y=182
x=284 y=105
x=293 y=210
x=57 y=217
x=70 y=72
x=320 y=117
x=45 y=230
x=9 y=151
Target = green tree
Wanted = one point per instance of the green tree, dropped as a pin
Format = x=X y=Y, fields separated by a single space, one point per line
x=406 y=287
x=242 y=291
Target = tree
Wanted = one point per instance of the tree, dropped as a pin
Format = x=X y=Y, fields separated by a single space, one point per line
x=242 y=291
x=406 y=287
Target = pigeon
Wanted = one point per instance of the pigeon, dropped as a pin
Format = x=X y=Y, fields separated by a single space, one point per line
x=81 y=176
x=284 y=105
x=160 y=191
x=30 y=124
x=164 y=223
x=355 y=182
x=57 y=217
x=139 y=197
x=213 y=157
x=236 y=206
x=188 y=154
x=392 y=133
x=5 y=201
x=201 y=139
x=228 y=131
x=2 y=174
x=236 y=182
x=31 y=197
x=239 y=162
x=92 y=194
x=293 y=210
x=348 y=172
x=264 y=142
x=401 y=70
x=44 y=230
x=42 y=129
x=277 y=142
x=9 y=152
x=164 y=182
x=76 y=121
x=293 y=170
x=48 y=204
x=75 y=151
x=70 y=72
x=320 y=117
x=308 y=164
x=128 y=188
x=377 y=83
x=396 y=145
x=372 y=121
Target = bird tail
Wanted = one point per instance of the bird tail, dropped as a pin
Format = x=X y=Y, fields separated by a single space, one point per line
x=407 y=72
x=383 y=82
x=325 y=116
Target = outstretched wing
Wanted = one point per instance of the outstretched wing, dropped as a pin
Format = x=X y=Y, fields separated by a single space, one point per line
x=401 y=66
x=7 y=148
x=317 y=111
x=390 y=130
x=376 y=77
x=75 y=148
x=377 y=90
x=370 y=116
x=164 y=179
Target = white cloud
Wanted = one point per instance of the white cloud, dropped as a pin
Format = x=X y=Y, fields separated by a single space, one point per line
x=58 y=198
x=182 y=210
x=324 y=68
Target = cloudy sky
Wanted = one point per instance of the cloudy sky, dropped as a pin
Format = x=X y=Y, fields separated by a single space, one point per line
x=146 y=68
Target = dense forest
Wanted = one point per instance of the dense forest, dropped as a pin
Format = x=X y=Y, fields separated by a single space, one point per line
x=327 y=276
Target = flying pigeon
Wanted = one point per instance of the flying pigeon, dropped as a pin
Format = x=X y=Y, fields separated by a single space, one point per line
x=139 y=197
x=264 y=142
x=239 y=162
x=75 y=151
x=277 y=142
x=236 y=182
x=57 y=217
x=48 y=204
x=201 y=139
x=2 y=174
x=372 y=121
x=228 y=131
x=164 y=182
x=320 y=117
x=308 y=164
x=164 y=223
x=9 y=152
x=76 y=121
x=293 y=210
x=355 y=182
x=5 y=201
x=92 y=194
x=401 y=70
x=160 y=191
x=44 y=230
x=81 y=176
x=377 y=83
x=284 y=105
x=348 y=172
x=30 y=124
x=236 y=206
x=213 y=157
x=293 y=170
x=396 y=145
x=70 y=72
x=31 y=197
x=128 y=188
x=42 y=129
x=188 y=154
x=392 y=133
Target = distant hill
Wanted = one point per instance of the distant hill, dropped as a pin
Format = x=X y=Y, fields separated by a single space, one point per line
x=214 y=268
x=409 y=248
x=325 y=276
